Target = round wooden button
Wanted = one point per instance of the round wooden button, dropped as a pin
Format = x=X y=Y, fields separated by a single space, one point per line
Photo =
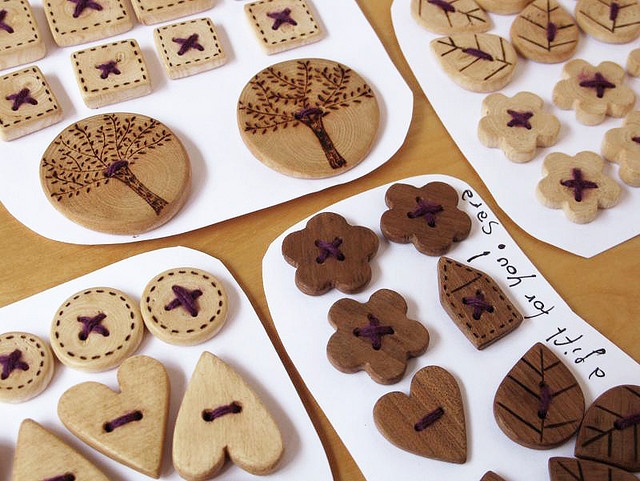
x=118 y=173
x=96 y=329
x=310 y=118
x=26 y=366
x=184 y=306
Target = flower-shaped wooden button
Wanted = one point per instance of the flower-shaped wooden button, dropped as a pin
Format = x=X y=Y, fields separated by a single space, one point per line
x=611 y=21
x=376 y=336
x=309 y=118
x=593 y=91
x=184 y=306
x=26 y=366
x=518 y=125
x=622 y=146
x=329 y=252
x=96 y=329
x=571 y=469
x=20 y=38
x=446 y=17
x=577 y=185
x=633 y=63
x=118 y=173
x=426 y=216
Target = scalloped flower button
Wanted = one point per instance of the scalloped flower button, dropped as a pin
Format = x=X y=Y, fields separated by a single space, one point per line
x=622 y=146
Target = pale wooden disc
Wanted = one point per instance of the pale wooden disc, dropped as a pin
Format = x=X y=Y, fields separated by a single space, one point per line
x=20 y=40
x=118 y=173
x=170 y=320
x=310 y=118
x=104 y=343
x=26 y=366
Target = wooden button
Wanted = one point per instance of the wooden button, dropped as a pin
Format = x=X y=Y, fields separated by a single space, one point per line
x=282 y=25
x=503 y=7
x=27 y=103
x=73 y=22
x=611 y=21
x=128 y=426
x=20 y=38
x=26 y=366
x=96 y=329
x=62 y=463
x=491 y=476
x=111 y=73
x=150 y=12
x=188 y=48
x=446 y=17
x=184 y=306
x=328 y=129
x=570 y=469
x=633 y=63
x=132 y=177
x=622 y=146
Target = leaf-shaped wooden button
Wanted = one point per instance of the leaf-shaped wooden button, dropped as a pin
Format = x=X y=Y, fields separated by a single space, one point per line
x=221 y=416
x=539 y=404
x=570 y=469
x=446 y=16
x=475 y=303
x=62 y=462
x=612 y=21
x=430 y=421
x=480 y=62
x=610 y=429
x=545 y=32
x=128 y=426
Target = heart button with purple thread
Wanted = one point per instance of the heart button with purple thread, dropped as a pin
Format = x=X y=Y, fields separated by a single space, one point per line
x=430 y=422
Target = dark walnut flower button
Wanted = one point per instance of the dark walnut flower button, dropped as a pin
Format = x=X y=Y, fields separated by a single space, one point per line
x=328 y=253
x=426 y=216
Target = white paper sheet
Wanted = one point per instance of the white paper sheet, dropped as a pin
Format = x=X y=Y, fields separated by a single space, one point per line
x=513 y=185
x=242 y=343
x=348 y=399
x=227 y=180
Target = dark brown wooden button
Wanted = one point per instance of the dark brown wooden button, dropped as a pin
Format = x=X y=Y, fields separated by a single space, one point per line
x=570 y=469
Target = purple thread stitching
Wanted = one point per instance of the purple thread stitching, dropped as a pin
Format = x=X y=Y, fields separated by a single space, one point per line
x=187 y=44
x=627 y=421
x=329 y=249
x=108 y=68
x=426 y=209
x=22 y=97
x=519 y=119
x=308 y=112
x=281 y=17
x=578 y=184
x=184 y=298
x=81 y=5
x=110 y=426
x=92 y=324
x=114 y=167
x=636 y=139
x=476 y=52
x=429 y=419
x=479 y=305
x=210 y=415
x=552 y=31
x=598 y=82
x=374 y=331
x=3 y=25
x=614 y=9
x=62 y=477
x=446 y=6
x=545 y=400
x=11 y=362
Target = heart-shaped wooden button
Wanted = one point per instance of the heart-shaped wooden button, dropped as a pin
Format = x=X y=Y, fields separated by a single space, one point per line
x=128 y=426
x=221 y=416
x=430 y=421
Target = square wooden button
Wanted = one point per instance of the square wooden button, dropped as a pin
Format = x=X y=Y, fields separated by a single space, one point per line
x=111 y=73
x=188 y=48
x=150 y=12
x=73 y=22
x=27 y=103
x=20 y=39
x=283 y=24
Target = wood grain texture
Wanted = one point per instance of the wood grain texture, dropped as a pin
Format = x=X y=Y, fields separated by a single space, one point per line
x=128 y=426
x=446 y=17
x=20 y=38
x=539 y=404
x=611 y=21
x=222 y=417
x=622 y=146
x=503 y=7
x=430 y=421
x=491 y=476
x=132 y=177
x=309 y=118
x=150 y=12
x=61 y=459
x=475 y=303
x=633 y=63
x=570 y=469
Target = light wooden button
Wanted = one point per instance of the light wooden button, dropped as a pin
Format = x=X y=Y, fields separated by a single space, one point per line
x=20 y=39
x=132 y=177
x=326 y=130
x=188 y=48
x=150 y=12
x=27 y=103
x=26 y=366
x=96 y=329
x=184 y=306
x=111 y=73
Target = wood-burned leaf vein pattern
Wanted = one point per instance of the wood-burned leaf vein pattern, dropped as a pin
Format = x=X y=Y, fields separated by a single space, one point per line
x=451 y=16
x=571 y=469
x=614 y=21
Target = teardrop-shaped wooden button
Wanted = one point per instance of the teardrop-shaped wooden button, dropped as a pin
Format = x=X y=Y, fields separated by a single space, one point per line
x=445 y=17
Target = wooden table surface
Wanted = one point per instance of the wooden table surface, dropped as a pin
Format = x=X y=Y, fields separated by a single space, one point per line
x=603 y=290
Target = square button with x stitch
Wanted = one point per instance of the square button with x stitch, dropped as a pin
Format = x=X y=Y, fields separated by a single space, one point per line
x=20 y=39
x=150 y=12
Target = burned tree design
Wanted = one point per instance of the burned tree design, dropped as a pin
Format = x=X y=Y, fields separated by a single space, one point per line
x=90 y=155
x=305 y=97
